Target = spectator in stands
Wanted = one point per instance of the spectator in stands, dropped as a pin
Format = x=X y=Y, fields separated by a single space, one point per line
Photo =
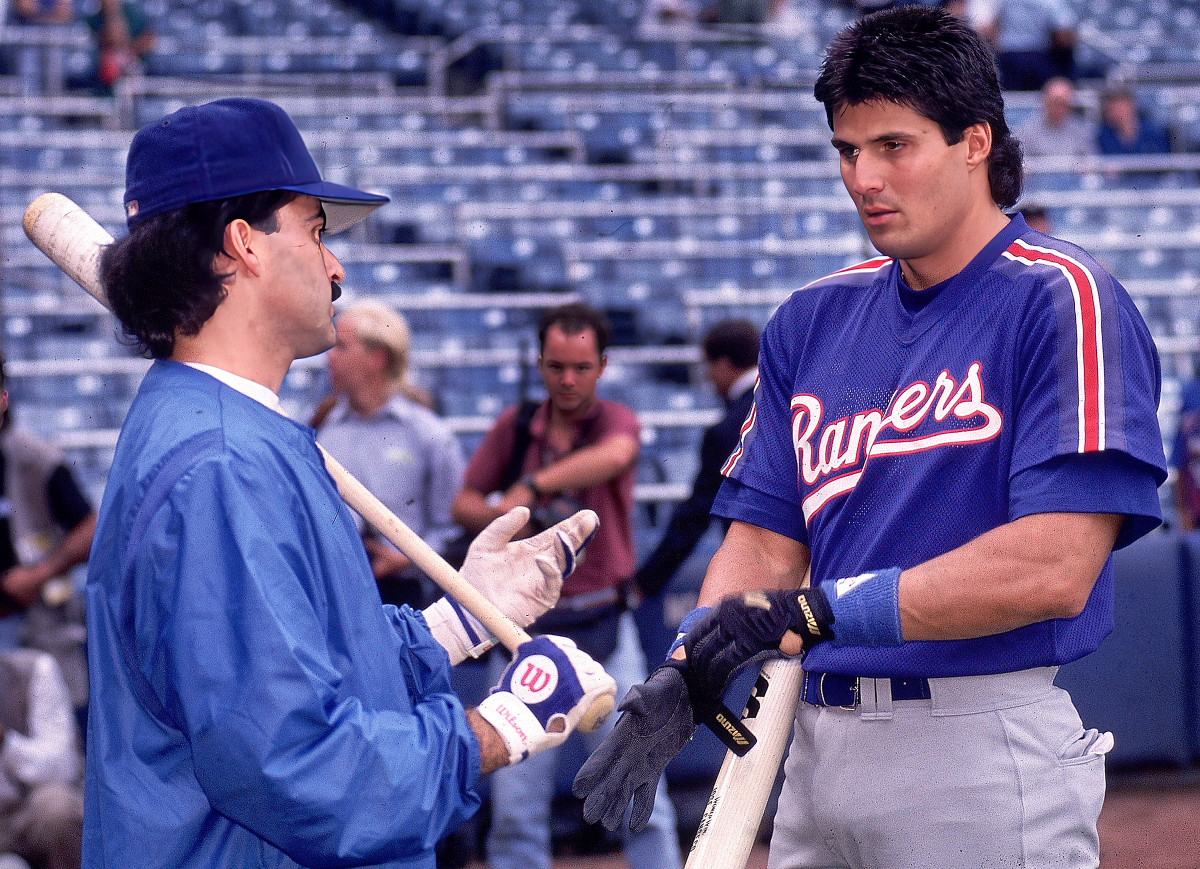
x=1057 y=129
x=382 y=431
x=573 y=448
x=43 y=11
x=1125 y=130
x=979 y=14
x=41 y=799
x=124 y=35
x=46 y=527
x=1035 y=41
x=731 y=357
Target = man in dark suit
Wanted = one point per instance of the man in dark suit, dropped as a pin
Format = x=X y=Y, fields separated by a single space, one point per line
x=731 y=356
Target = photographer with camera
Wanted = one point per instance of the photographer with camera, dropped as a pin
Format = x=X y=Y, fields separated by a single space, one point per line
x=576 y=450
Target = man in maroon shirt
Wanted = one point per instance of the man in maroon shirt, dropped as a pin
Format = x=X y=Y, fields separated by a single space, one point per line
x=581 y=450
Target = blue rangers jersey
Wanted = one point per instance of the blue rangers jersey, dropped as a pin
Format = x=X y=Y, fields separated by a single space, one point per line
x=891 y=426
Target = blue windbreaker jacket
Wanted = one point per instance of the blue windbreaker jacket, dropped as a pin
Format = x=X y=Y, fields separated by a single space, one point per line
x=253 y=703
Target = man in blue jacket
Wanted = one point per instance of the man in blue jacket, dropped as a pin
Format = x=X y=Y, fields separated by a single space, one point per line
x=254 y=702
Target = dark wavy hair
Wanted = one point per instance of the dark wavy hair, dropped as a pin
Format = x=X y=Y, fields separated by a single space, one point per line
x=572 y=319
x=936 y=65
x=162 y=279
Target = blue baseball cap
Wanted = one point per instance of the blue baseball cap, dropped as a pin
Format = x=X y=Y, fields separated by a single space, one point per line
x=229 y=148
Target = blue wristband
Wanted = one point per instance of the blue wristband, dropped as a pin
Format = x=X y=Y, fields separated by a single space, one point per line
x=686 y=624
x=866 y=608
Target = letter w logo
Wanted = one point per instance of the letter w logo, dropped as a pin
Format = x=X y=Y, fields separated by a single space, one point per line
x=534 y=679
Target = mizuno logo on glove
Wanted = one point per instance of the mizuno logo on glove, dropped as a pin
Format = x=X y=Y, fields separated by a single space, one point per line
x=809 y=618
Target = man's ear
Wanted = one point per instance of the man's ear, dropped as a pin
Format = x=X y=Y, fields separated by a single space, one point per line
x=979 y=142
x=237 y=240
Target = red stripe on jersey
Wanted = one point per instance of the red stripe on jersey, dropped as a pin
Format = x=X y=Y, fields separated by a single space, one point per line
x=1089 y=352
x=871 y=265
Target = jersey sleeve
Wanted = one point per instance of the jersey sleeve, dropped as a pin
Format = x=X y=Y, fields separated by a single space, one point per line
x=1089 y=371
x=1104 y=482
x=739 y=503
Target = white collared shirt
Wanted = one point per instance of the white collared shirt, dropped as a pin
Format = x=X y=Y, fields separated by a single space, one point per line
x=745 y=381
x=246 y=387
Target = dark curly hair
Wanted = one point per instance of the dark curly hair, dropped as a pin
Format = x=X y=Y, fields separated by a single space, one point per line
x=936 y=65
x=161 y=279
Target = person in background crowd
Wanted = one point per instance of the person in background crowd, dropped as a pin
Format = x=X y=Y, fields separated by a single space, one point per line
x=394 y=445
x=1057 y=130
x=124 y=35
x=1034 y=40
x=1125 y=129
x=46 y=528
x=730 y=356
x=43 y=11
x=575 y=449
x=1037 y=218
x=1185 y=459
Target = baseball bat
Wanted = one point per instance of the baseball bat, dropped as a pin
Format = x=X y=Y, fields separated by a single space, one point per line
x=730 y=821
x=73 y=241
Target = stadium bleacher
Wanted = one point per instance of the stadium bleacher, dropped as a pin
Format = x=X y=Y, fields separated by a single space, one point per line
x=539 y=151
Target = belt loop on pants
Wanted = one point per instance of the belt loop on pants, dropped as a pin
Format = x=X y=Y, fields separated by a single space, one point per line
x=875 y=699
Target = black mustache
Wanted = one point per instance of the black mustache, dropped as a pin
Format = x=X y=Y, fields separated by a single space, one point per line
x=337 y=290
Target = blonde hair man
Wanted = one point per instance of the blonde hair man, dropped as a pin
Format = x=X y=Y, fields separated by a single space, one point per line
x=381 y=428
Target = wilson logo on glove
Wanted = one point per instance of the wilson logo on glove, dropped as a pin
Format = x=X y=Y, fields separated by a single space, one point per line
x=513 y=720
x=539 y=678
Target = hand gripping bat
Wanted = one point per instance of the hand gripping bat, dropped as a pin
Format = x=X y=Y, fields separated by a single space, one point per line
x=73 y=241
x=730 y=821
x=744 y=783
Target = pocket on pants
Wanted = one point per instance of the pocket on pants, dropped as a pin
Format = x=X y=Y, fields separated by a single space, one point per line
x=1088 y=746
x=1060 y=767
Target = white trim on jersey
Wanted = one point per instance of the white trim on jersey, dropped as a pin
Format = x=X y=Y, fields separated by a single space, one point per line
x=1089 y=340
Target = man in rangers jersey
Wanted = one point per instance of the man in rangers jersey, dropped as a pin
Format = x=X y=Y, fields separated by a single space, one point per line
x=953 y=438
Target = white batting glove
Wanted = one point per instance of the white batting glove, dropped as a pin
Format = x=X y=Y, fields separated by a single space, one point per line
x=545 y=692
x=522 y=578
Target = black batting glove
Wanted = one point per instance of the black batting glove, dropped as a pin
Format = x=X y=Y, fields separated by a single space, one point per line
x=656 y=723
x=740 y=629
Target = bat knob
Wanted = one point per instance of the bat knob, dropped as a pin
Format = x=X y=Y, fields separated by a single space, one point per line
x=600 y=709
